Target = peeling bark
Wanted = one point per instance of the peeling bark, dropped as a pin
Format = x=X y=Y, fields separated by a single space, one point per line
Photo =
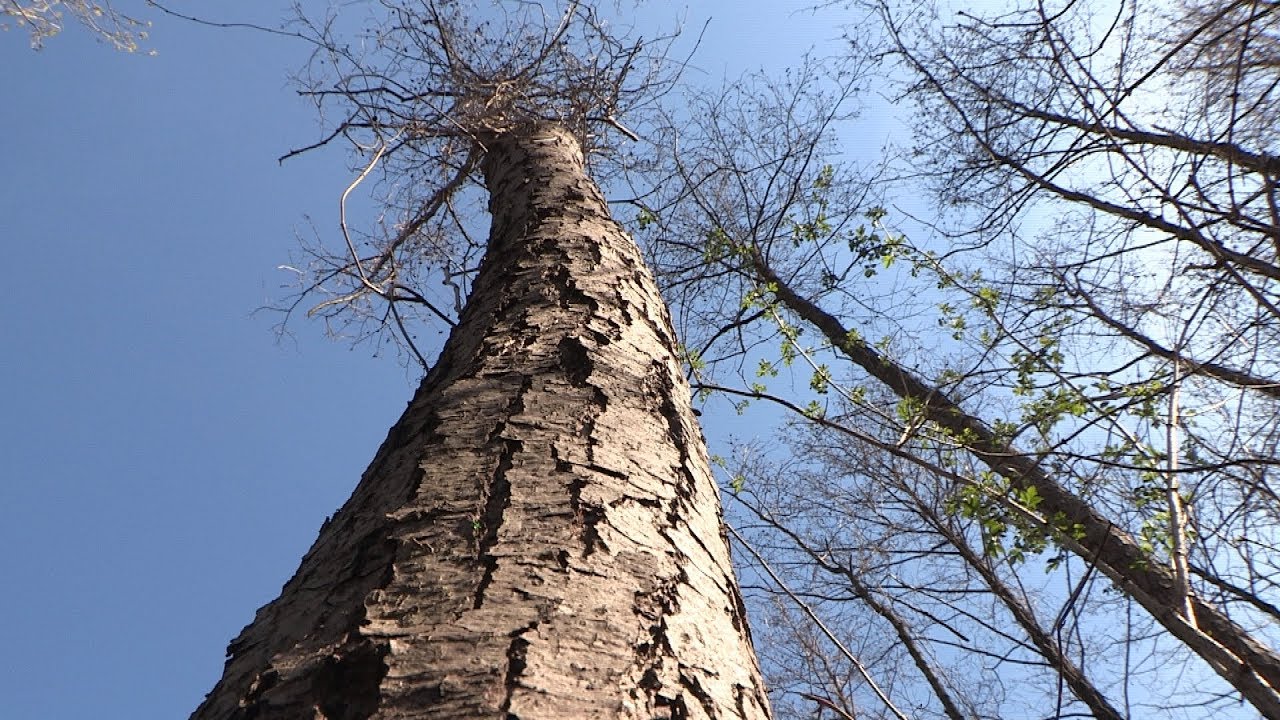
x=540 y=534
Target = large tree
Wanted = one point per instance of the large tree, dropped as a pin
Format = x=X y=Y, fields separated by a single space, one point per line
x=540 y=534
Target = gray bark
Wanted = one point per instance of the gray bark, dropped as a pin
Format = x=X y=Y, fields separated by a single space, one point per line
x=540 y=535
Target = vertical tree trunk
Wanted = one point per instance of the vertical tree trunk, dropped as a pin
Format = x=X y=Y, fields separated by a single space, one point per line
x=540 y=535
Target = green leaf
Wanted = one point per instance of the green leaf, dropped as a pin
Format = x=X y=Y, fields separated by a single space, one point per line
x=814 y=410
x=821 y=380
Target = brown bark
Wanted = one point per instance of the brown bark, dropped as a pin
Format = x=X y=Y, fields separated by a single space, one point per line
x=540 y=535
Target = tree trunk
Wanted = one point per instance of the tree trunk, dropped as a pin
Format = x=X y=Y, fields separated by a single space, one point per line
x=540 y=534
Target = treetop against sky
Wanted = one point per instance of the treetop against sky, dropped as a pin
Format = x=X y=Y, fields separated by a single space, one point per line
x=953 y=297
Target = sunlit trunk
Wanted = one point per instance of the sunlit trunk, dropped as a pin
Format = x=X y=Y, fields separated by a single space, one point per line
x=540 y=535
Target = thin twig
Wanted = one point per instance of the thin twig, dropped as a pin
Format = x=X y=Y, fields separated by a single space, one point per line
x=236 y=25
x=862 y=670
x=342 y=219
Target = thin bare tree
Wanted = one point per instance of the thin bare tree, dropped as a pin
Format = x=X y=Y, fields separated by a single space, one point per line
x=1077 y=342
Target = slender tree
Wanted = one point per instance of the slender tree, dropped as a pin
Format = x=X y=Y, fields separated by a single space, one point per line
x=1077 y=346
x=540 y=534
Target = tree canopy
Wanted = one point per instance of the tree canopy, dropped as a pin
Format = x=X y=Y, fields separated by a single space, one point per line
x=1026 y=357
x=1030 y=456
x=1038 y=437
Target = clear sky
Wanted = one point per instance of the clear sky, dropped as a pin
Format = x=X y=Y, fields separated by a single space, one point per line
x=164 y=461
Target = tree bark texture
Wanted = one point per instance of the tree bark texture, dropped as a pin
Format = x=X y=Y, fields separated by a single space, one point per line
x=540 y=535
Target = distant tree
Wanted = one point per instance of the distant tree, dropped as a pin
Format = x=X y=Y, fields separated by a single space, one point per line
x=540 y=534
x=1068 y=365
x=42 y=19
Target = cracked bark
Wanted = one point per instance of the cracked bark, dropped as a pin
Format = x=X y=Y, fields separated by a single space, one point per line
x=540 y=535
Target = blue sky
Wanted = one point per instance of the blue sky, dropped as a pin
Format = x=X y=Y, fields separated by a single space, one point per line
x=164 y=460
